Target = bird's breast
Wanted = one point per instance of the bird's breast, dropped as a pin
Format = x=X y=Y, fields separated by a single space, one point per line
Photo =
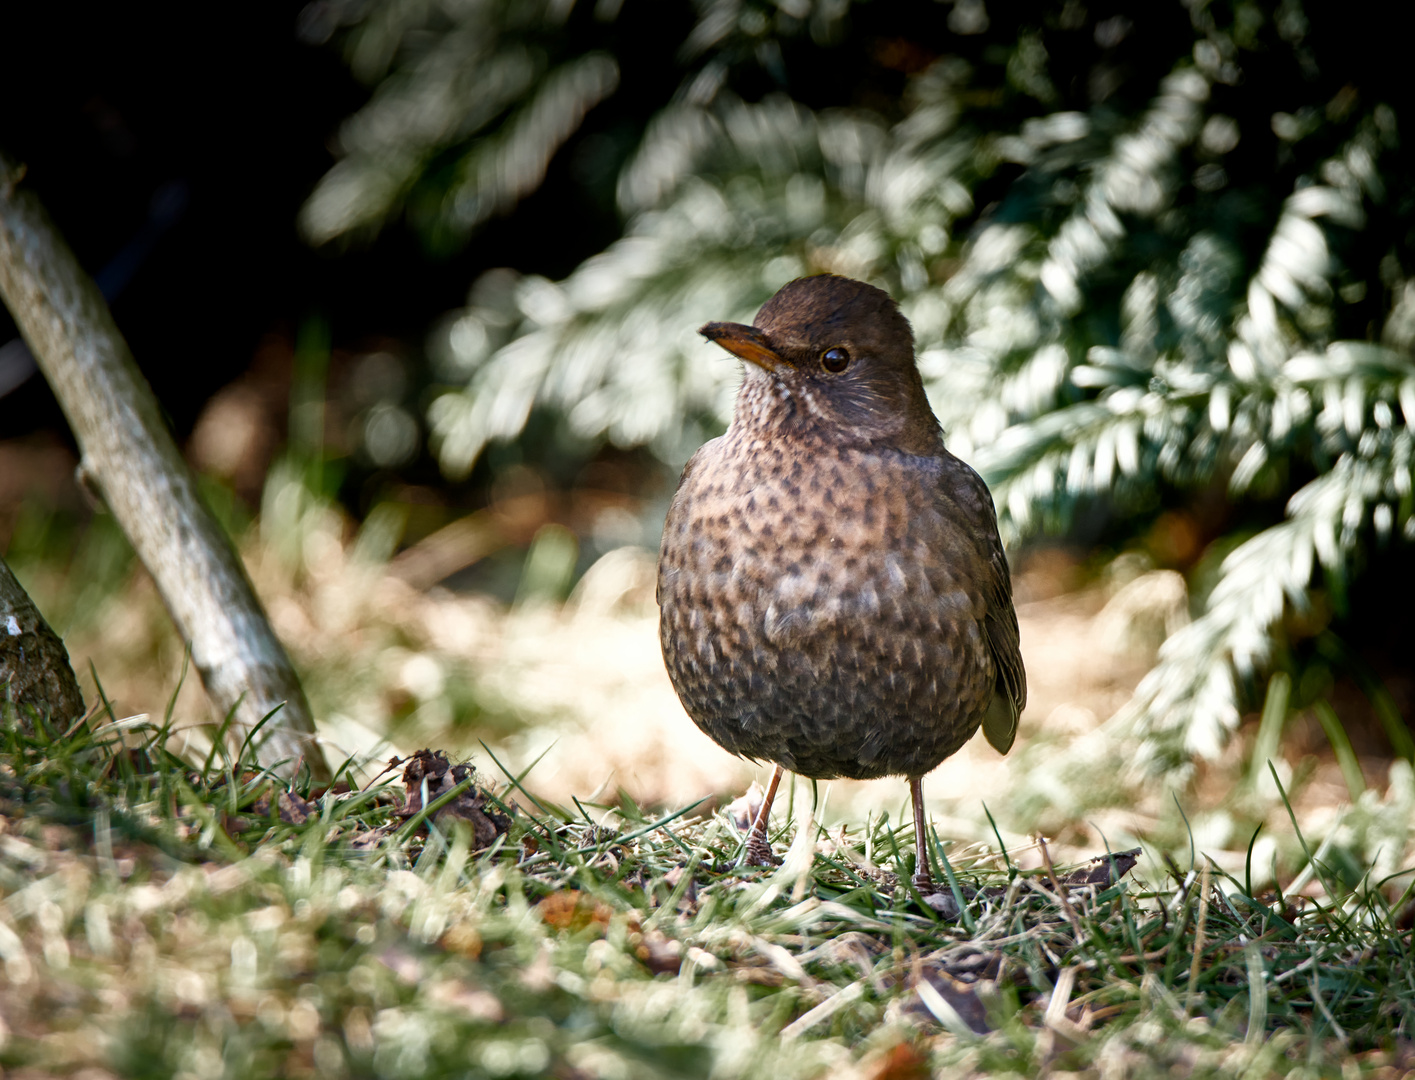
x=821 y=610
x=814 y=545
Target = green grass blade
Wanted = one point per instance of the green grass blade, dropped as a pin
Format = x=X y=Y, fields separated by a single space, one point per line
x=516 y=780
x=249 y=741
x=942 y=857
x=1275 y=710
x=405 y=833
x=1341 y=746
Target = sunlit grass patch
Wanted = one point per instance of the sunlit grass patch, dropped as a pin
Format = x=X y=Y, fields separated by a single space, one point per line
x=171 y=917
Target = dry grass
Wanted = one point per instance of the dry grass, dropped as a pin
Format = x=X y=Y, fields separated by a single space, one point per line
x=160 y=919
x=152 y=925
x=579 y=689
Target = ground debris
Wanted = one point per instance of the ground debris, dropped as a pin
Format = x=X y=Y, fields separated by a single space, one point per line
x=958 y=986
x=574 y=910
x=1103 y=871
x=658 y=952
x=955 y=987
x=1099 y=873
x=903 y=1061
x=291 y=808
x=428 y=775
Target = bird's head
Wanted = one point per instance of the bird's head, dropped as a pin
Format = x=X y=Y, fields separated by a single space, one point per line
x=836 y=354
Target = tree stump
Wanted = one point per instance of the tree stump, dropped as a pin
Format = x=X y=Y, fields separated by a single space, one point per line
x=34 y=665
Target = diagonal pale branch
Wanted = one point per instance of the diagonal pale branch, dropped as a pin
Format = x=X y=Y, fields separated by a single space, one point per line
x=129 y=452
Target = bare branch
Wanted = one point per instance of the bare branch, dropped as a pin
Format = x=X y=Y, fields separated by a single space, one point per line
x=131 y=456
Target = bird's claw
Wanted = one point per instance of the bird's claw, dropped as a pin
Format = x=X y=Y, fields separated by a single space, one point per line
x=758 y=852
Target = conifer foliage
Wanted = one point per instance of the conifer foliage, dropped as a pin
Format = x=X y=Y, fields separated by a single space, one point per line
x=1143 y=249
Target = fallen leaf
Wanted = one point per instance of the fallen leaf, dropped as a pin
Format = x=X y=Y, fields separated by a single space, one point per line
x=429 y=773
x=292 y=809
x=571 y=909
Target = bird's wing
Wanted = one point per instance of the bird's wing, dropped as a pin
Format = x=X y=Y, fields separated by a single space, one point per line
x=973 y=506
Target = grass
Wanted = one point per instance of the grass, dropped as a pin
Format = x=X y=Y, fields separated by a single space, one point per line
x=171 y=917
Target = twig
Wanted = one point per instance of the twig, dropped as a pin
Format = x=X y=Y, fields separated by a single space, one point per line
x=824 y=1011
x=1199 y=935
x=1060 y=888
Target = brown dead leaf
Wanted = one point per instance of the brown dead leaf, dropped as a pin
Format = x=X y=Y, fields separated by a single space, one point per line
x=743 y=809
x=571 y=909
x=291 y=808
x=367 y=841
x=903 y=1061
x=657 y=951
x=428 y=774
x=1103 y=871
x=758 y=975
x=966 y=998
x=463 y=939
x=964 y=977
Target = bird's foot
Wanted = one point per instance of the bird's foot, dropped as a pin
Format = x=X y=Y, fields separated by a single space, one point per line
x=941 y=899
x=944 y=903
x=758 y=851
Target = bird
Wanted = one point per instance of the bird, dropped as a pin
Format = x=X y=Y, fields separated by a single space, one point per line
x=834 y=597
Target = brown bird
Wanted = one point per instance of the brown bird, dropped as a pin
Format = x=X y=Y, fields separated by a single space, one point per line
x=834 y=596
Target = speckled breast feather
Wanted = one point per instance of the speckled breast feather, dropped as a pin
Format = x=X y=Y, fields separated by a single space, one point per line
x=833 y=636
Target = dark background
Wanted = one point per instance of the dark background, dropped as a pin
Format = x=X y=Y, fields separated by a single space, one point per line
x=227 y=118
x=223 y=109
x=174 y=145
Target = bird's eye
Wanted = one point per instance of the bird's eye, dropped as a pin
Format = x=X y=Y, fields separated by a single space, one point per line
x=835 y=360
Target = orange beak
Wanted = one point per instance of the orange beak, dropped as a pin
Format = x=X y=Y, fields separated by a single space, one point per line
x=745 y=341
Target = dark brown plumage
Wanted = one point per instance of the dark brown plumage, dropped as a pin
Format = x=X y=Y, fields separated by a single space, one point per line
x=834 y=596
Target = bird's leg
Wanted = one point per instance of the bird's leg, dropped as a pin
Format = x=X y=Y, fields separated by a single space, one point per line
x=923 y=878
x=758 y=849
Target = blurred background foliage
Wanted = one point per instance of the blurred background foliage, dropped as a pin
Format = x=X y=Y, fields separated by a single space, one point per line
x=454 y=254
x=1155 y=260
